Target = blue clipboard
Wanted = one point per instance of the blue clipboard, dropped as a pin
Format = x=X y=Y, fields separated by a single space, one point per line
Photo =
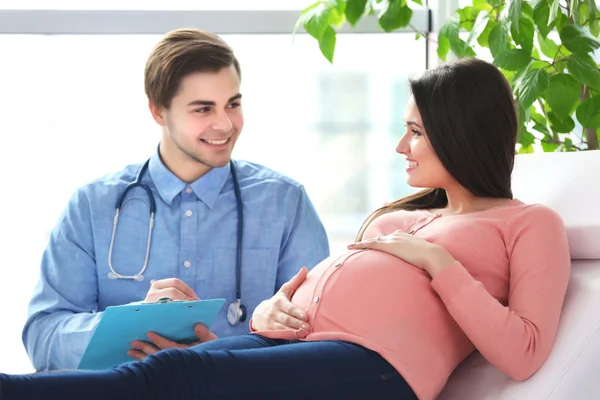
x=120 y=325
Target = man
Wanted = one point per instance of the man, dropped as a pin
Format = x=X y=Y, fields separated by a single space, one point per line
x=192 y=80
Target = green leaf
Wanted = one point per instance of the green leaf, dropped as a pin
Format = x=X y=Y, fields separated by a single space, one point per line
x=518 y=77
x=514 y=12
x=547 y=46
x=549 y=147
x=574 y=8
x=483 y=39
x=316 y=20
x=355 y=9
x=565 y=125
x=524 y=36
x=327 y=43
x=340 y=5
x=526 y=9
x=561 y=67
x=585 y=70
x=337 y=18
x=523 y=115
x=583 y=13
x=539 y=64
x=526 y=149
x=467 y=17
x=578 y=39
x=509 y=75
x=443 y=47
x=498 y=39
x=595 y=28
x=540 y=128
x=396 y=15
x=568 y=144
x=561 y=21
x=479 y=26
x=562 y=95
x=482 y=5
x=513 y=59
x=554 y=11
x=533 y=84
x=450 y=31
x=592 y=8
x=466 y=51
x=537 y=117
x=541 y=14
x=588 y=113
x=525 y=137
x=419 y=2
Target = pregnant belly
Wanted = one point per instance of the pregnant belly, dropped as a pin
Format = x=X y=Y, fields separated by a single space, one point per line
x=373 y=294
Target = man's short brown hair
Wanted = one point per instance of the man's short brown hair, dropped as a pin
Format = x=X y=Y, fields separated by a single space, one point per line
x=180 y=53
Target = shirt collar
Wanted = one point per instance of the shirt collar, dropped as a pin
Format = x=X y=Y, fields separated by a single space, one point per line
x=207 y=188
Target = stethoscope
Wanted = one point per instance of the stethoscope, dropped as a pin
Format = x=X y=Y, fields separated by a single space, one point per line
x=236 y=312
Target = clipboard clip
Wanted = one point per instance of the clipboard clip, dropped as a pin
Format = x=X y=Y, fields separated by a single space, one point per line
x=168 y=300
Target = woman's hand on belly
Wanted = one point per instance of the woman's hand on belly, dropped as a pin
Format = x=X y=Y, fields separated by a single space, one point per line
x=414 y=250
x=278 y=312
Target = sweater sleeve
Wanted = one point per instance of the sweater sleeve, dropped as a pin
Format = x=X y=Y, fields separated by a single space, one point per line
x=517 y=338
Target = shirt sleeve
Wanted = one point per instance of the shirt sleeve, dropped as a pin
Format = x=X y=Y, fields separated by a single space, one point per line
x=305 y=241
x=62 y=312
x=516 y=338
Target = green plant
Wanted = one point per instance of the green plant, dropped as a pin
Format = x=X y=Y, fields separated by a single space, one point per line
x=545 y=48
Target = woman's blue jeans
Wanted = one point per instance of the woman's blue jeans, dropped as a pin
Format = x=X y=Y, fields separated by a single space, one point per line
x=243 y=367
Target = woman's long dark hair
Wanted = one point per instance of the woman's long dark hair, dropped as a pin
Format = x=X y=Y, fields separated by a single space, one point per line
x=470 y=117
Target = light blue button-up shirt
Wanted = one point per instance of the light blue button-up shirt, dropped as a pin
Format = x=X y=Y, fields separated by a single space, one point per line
x=194 y=239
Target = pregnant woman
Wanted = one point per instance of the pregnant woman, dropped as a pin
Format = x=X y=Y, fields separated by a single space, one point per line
x=457 y=267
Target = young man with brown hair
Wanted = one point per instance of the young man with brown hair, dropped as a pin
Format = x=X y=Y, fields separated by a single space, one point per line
x=195 y=225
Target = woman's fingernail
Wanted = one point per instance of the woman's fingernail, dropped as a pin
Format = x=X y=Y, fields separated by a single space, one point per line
x=301 y=315
x=305 y=327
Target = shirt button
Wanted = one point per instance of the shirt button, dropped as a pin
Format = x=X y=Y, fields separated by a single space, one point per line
x=188 y=213
x=316 y=300
x=187 y=264
x=301 y=334
x=189 y=190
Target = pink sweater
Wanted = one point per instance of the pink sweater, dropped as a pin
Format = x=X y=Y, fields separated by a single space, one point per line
x=502 y=297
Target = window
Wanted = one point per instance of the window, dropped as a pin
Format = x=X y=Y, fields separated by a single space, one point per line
x=154 y=5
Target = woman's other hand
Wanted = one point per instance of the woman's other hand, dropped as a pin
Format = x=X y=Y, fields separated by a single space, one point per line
x=278 y=312
x=414 y=250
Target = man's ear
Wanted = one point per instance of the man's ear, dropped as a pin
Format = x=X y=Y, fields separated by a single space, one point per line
x=157 y=113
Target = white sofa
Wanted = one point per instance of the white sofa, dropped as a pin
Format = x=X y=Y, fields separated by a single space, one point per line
x=570 y=184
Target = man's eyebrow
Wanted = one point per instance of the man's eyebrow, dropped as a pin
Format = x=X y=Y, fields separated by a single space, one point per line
x=212 y=103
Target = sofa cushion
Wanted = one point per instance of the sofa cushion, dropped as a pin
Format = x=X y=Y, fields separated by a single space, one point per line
x=570 y=184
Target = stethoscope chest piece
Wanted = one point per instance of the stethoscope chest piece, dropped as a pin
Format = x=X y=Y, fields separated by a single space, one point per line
x=236 y=313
